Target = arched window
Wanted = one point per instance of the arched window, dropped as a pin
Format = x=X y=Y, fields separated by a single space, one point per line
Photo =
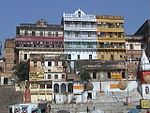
x=147 y=90
x=123 y=75
x=63 y=88
x=70 y=87
x=79 y=13
x=56 y=88
x=109 y=75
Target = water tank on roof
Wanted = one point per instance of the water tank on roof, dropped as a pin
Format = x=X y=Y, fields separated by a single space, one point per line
x=88 y=86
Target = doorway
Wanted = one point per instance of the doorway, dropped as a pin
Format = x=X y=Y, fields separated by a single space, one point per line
x=89 y=96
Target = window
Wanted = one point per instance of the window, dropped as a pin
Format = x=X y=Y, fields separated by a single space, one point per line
x=147 y=90
x=70 y=87
x=56 y=76
x=79 y=13
x=49 y=85
x=34 y=86
x=41 y=33
x=76 y=34
x=63 y=76
x=94 y=75
x=49 y=63
x=83 y=24
x=102 y=57
x=109 y=75
x=35 y=64
x=90 y=56
x=26 y=32
x=33 y=33
x=49 y=76
x=123 y=75
x=56 y=88
x=56 y=63
x=121 y=57
x=89 y=34
x=69 y=56
x=111 y=57
x=20 y=32
x=25 y=56
x=49 y=34
x=131 y=46
x=42 y=86
x=56 y=34
x=14 y=61
x=78 y=57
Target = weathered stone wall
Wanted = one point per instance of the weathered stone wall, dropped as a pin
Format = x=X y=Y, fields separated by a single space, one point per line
x=8 y=96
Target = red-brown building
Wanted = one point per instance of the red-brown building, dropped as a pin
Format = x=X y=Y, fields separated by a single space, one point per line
x=10 y=55
x=39 y=38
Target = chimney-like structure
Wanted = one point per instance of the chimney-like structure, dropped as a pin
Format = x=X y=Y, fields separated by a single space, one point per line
x=27 y=94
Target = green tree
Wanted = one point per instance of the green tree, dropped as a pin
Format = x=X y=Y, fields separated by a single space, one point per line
x=21 y=71
x=85 y=76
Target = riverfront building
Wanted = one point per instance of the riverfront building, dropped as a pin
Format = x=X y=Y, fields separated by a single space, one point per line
x=43 y=74
x=133 y=55
x=34 y=43
x=38 y=38
x=110 y=38
x=79 y=35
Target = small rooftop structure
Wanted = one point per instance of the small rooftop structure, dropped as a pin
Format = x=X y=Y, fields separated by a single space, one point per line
x=144 y=62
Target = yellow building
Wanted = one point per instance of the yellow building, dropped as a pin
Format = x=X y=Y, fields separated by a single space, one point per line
x=110 y=38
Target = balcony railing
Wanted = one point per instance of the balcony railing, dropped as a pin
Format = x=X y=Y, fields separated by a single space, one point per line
x=80 y=28
x=110 y=29
x=111 y=47
x=82 y=38
x=111 y=39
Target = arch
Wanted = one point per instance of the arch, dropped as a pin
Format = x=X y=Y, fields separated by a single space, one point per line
x=70 y=87
x=79 y=13
x=63 y=88
x=147 y=90
x=123 y=75
x=56 y=88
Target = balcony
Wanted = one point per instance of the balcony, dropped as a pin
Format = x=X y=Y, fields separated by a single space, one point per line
x=86 y=46
x=82 y=38
x=74 y=17
x=111 y=47
x=111 y=39
x=110 y=29
x=41 y=49
x=80 y=28
x=40 y=90
x=58 y=69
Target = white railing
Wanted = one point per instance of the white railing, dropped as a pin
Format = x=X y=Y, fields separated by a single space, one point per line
x=80 y=28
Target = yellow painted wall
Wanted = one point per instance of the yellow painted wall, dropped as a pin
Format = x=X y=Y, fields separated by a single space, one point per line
x=107 y=55
x=107 y=52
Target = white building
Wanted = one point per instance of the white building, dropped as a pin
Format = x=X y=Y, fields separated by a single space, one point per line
x=79 y=35
x=54 y=68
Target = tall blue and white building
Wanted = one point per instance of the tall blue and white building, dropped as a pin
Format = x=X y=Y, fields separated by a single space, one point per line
x=79 y=35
